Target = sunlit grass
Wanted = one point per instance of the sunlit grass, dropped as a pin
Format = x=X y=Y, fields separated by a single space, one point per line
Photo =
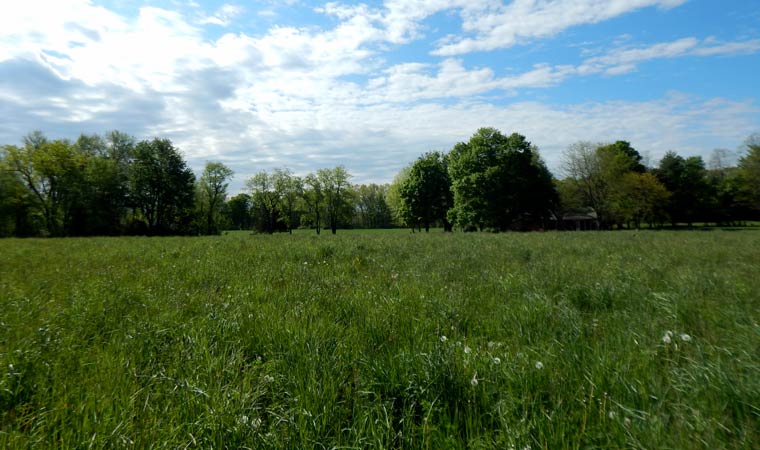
x=382 y=339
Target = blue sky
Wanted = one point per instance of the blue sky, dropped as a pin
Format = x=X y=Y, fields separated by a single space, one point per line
x=259 y=84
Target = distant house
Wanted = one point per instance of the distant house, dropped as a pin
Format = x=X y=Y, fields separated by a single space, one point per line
x=579 y=219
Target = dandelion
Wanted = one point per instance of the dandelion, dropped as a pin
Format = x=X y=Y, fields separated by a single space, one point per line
x=666 y=337
x=268 y=379
x=474 y=381
x=539 y=365
x=611 y=415
x=496 y=360
x=627 y=422
x=685 y=337
x=444 y=338
x=467 y=350
x=491 y=344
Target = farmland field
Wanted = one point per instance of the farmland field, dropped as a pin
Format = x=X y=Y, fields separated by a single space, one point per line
x=382 y=339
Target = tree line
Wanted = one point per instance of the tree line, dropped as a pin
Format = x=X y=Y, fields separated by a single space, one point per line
x=116 y=185
x=498 y=182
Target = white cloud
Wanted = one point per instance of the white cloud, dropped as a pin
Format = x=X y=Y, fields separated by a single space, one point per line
x=224 y=15
x=306 y=97
x=523 y=20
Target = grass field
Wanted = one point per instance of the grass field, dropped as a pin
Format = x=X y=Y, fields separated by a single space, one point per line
x=382 y=340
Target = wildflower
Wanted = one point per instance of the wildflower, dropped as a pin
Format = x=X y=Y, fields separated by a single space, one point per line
x=627 y=422
x=685 y=337
x=444 y=338
x=611 y=414
x=496 y=360
x=491 y=344
x=467 y=350
x=474 y=381
x=268 y=379
x=539 y=365
x=666 y=337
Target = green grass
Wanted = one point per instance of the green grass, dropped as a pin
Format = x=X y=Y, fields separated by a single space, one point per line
x=305 y=341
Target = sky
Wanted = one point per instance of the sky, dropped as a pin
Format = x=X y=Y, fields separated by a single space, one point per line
x=260 y=84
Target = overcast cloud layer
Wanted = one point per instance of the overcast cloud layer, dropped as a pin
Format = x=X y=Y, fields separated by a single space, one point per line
x=263 y=84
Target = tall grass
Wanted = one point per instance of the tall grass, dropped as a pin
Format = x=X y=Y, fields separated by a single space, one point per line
x=382 y=340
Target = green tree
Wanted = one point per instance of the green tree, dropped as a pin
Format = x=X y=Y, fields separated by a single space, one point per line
x=18 y=214
x=337 y=195
x=596 y=174
x=426 y=192
x=400 y=215
x=372 y=208
x=314 y=197
x=161 y=187
x=686 y=179
x=291 y=188
x=642 y=199
x=53 y=173
x=237 y=211
x=266 y=193
x=213 y=188
x=749 y=173
x=499 y=182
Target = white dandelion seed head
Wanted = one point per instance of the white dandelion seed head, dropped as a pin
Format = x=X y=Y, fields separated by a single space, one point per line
x=474 y=380
x=496 y=360
x=539 y=365
x=268 y=378
x=685 y=337
x=611 y=414
x=491 y=344
x=444 y=338
x=467 y=350
x=666 y=339
x=627 y=422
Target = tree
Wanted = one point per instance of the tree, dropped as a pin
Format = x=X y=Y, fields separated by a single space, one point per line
x=371 y=206
x=213 y=188
x=499 y=182
x=642 y=198
x=266 y=192
x=426 y=192
x=313 y=195
x=749 y=172
x=596 y=173
x=336 y=188
x=686 y=179
x=291 y=188
x=400 y=215
x=18 y=214
x=631 y=155
x=237 y=211
x=161 y=187
x=53 y=173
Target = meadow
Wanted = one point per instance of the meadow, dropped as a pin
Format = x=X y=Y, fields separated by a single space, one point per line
x=382 y=339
